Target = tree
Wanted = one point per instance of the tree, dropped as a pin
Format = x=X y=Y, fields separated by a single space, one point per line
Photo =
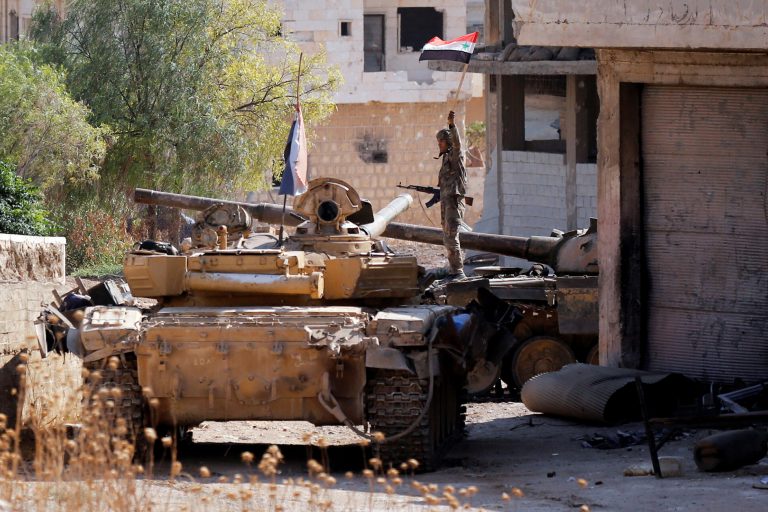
x=44 y=133
x=21 y=210
x=199 y=93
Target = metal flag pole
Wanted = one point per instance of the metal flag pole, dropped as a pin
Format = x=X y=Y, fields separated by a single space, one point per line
x=285 y=196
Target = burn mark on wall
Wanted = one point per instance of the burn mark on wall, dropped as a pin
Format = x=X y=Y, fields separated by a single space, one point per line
x=371 y=149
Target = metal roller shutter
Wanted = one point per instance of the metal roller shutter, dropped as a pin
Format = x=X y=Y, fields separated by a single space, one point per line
x=705 y=181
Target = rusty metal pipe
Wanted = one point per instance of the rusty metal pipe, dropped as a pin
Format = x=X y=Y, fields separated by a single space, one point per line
x=229 y=282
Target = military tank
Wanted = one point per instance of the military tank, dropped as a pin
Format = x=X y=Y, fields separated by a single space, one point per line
x=555 y=301
x=325 y=326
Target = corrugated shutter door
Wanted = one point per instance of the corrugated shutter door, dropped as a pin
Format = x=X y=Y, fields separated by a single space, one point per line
x=705 y=179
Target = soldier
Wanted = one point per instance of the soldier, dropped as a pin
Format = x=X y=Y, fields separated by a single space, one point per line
x=452 y=182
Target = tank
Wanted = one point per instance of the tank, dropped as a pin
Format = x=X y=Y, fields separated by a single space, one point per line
x=556 y=299
x=324 y=326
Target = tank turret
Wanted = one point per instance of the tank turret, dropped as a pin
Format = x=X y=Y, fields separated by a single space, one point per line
x=328 y=258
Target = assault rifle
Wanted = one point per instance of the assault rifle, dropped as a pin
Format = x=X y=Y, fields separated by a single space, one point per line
x=435 y=194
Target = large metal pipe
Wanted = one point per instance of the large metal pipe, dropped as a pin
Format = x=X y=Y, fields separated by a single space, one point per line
x=384 y=217
x=228 y=282
x=535 y=248
x=263 y=212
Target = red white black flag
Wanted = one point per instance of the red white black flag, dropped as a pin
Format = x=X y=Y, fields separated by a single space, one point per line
x=459 y=49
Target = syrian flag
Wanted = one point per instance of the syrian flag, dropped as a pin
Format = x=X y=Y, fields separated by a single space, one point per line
x=459 y=49
x=295 y=174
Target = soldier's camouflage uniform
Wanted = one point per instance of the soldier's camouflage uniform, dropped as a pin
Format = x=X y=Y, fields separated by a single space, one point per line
x=453 y=187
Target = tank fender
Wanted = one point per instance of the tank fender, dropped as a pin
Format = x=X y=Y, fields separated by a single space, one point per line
x=421 y=363
x=387 y=358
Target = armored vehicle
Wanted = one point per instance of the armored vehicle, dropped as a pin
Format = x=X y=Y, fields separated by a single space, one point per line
x=553 y=306
x=324 y=326
x=556 y=298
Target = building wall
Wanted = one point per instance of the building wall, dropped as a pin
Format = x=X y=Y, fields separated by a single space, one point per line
x=405 y=79
x=694 y=24
x=406 y=134
x=533 y=186
x=24 y=10
x=391 y=115
x=30 y=267
x=619 y=210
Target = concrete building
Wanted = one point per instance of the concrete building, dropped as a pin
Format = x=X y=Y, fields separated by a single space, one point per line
x=541 y=111
x=16 y=15
x=391 y=105
x=682 y=177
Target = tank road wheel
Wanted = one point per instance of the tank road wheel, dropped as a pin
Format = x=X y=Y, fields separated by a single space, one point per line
x=394 y=401
x=593 y=356
x=537 y=355
x=116 y=391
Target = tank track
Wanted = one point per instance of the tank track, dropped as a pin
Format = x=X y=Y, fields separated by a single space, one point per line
x=395 y=399
x=129 y=405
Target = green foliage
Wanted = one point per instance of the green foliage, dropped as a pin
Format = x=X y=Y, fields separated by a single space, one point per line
x=21 y=211
x=44 y=133
x=200 y=93
x=476 y=135
x=96 y=236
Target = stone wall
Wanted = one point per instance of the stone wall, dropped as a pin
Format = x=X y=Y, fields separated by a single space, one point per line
x=30 y=267
x=534 y=196
x=376 y=146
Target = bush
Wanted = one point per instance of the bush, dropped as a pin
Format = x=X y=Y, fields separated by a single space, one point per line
x=21 y=210
x=96 y=237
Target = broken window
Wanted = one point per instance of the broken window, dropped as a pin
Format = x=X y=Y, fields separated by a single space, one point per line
x=373 y=42
x=345 y=28
x=417 y=26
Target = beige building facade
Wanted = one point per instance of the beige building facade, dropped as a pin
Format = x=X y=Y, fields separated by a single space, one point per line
x=682 y=178
x=16 y=15
x=391 y=105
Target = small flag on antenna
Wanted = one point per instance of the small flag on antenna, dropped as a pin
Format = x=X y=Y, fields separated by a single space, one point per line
x=294 y=180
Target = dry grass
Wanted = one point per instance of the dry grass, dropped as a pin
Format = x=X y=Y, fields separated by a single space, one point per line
x=97 y=469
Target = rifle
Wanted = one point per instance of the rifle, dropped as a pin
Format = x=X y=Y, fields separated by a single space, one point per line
x=435 y=194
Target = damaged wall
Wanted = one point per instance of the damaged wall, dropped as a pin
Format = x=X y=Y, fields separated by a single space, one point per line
x=623 y=339
x=694 y=24
x=376 y=146
x=30 y=267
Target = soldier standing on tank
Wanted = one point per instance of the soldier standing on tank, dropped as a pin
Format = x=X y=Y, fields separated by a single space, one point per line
x=452 y=182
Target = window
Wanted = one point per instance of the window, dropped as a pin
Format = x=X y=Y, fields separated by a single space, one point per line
x=373 y=42
x=13 y=22
x=417 y=26
x=345 y=28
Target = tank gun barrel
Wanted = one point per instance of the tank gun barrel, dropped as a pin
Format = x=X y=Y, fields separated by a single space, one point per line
x=574 y=254
x=384 y=217
x=538 y=249
x=263 y=212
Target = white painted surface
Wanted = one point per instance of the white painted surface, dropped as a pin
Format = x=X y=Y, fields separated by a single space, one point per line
x=534 y=196
x=405 y=79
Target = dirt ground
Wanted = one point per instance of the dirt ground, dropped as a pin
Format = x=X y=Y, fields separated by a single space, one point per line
x=507 y=447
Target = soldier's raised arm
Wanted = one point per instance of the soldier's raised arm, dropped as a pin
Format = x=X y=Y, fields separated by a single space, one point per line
x=454 y=133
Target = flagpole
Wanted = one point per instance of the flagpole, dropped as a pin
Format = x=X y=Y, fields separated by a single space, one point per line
x=285 y=196
x=461 y=82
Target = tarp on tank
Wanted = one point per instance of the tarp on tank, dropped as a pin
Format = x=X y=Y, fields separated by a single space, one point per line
x=605 y=395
